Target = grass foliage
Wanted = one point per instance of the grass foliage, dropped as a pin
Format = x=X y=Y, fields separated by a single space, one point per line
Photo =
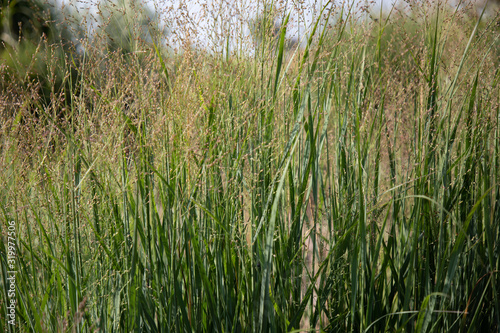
x=350 y=185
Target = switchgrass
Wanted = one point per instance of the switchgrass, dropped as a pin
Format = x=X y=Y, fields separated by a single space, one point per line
x=351 y=185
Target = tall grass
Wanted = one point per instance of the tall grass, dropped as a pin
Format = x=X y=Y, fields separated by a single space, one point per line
x=347 y=186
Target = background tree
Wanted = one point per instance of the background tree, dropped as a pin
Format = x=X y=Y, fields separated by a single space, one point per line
x=126 y=25
x=38 y=42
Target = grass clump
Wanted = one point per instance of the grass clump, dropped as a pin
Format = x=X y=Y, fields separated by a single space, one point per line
x=347 y=185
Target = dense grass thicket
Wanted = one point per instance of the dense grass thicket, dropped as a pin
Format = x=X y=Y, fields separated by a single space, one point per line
x=348 y=185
